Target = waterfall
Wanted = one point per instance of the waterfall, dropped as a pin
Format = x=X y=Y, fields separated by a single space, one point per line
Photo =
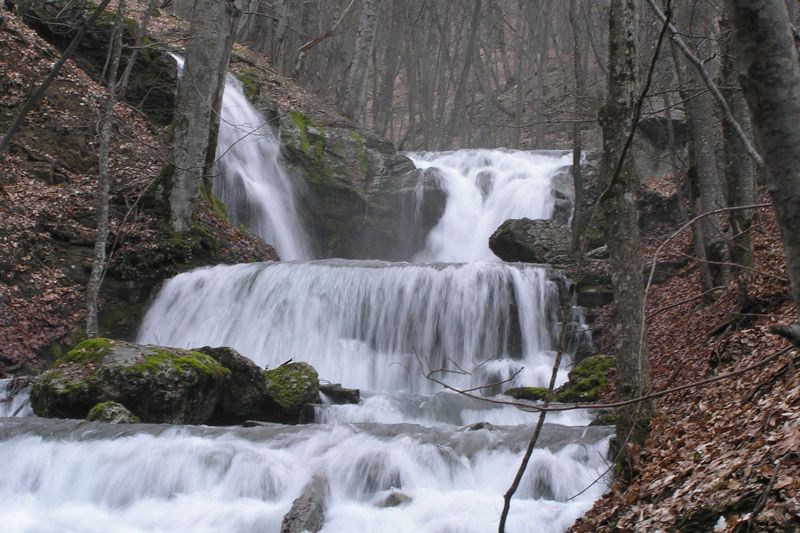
x=484 y=189
x=251 y=182
x=411 y=456
x=372 y=325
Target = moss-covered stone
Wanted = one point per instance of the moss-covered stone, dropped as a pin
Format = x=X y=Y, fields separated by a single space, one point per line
x=247 y=77
x=111 y=413
x=587 y=380
x=157 y=384
x=217 y=206
x=292 y=385
x=533 y=394
x=89 y=351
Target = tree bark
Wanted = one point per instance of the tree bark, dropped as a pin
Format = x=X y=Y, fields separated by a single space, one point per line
x=621 y=217
x=357 y=78
x=739 y=168
x=580 y=91
x=103 y=180
x=769 y=71
x=199 y=97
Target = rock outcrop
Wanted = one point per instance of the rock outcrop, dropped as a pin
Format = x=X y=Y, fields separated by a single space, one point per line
x=532 y=241
x=586 y=381
x=357 y=188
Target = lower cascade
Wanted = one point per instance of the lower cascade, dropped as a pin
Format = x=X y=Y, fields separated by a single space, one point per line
x=412 y=456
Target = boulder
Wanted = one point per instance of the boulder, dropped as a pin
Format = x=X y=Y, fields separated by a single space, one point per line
x=157 y=384
x=395 y=499
x=587 y=379
x=291 y=386
x=339 y=395
x=245 y=394
x=112 y=413
x=308 y=510
x=532 y=241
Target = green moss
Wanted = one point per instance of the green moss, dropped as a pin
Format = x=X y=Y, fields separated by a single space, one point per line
x=247 y=77
x=361 y=153
x=89 y=351
x=182 y=360
x=586 y=380
x=217 y=206
x=292 y=385
x=527 y=393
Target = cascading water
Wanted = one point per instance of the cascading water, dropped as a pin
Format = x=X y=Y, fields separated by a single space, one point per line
x=251 y=182
x=484 y=189
x=408 y=458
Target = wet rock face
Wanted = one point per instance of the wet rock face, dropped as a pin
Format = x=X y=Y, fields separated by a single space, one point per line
x=308 y=509
x=166 y=385
x=357 y=188
x=245 y=394
x=532 y=241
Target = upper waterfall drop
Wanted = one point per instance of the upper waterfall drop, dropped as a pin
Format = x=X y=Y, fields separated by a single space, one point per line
x=484 y=189
x=251 y=181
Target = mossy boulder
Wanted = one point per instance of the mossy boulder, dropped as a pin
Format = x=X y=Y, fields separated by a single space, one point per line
x=291 y=386
x=157 y=384
x=533 y=394
x=112 y=413
x=245 y=394
x=587 y=380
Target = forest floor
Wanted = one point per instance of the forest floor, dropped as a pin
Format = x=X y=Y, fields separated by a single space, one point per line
x=722 y=456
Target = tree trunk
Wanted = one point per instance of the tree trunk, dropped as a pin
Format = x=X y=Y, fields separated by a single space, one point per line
x=103 y=180
x=141 y=34
x=769 y=72
x=704 y=133
x=621 y=217
x=357 y=79
x=199 y=97
x=580 y=91
x=739 y=167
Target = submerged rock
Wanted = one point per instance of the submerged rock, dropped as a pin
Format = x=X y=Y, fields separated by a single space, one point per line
x=157 y=384
x=532 y=241
x=340 y=395
x=395 y=499
x=112 y=413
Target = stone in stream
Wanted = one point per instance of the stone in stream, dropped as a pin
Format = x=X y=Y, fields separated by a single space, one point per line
x=157 y=384
x=112 y=413
x=532 y=241
x=340 y=395
x=308 y=509
x=171 y=385
x=395 y=499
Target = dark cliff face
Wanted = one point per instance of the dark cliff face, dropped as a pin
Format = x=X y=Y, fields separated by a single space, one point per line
x=361 y=197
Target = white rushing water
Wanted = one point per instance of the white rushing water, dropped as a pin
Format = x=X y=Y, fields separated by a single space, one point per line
x=458 y=314
x=100 y=478
x=484 y=189
x=251 y=182
x=372 y=325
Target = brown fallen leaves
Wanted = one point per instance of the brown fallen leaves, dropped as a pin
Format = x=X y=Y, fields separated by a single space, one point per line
x=725 y=457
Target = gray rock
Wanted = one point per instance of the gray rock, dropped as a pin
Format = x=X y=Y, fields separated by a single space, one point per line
x=291 y=386
x=357 y=188
x=245 y=394
x=395 y=499
x=532 y=241
x=112 y=413
x=308 y=509
x=157 y=384
x=340 y=395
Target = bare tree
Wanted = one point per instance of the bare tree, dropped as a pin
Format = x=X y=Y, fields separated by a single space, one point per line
x=620 y=211
x=199 y=98
x=356 y=92
x=103 y=179
x=769 y=71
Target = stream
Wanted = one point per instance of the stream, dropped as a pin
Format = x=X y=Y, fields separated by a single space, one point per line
x=411 y=456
